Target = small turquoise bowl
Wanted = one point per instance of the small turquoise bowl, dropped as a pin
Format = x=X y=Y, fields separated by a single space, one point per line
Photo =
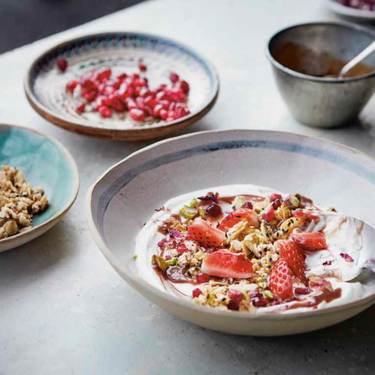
x=46 y=164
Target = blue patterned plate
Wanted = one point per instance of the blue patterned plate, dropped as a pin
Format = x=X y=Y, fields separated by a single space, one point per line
x=45 y=85
x=45 y=163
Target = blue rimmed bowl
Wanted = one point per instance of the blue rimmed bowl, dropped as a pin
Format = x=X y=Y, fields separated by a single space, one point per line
x=122 y=51
x=46 y=164
x=125 y=197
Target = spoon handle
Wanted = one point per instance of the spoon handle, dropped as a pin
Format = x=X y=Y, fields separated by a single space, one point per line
x=352 y=63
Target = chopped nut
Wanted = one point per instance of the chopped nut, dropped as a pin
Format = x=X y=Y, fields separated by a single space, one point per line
x=18 y=202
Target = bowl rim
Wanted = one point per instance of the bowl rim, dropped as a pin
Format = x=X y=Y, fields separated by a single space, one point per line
x=138 y=283
x=75 y=190
x=326 y=80
x=349 y=11
x=89 y=129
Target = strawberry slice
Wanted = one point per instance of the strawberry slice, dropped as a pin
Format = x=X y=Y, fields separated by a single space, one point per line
x=289 y=251
x=202 y=231
x=281 y=280
x=310 y=241
x=242 y=214
x=229 y=265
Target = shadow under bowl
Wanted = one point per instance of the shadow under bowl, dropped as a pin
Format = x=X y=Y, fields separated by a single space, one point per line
x=323 y=101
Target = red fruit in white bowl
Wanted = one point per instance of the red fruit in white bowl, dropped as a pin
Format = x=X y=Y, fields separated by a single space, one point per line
x=229 y=265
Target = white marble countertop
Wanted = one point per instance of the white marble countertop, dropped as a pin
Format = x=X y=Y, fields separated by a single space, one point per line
x=64 y=310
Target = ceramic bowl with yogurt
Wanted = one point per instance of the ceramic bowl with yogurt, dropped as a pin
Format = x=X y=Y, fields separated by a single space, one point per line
x=286 y=162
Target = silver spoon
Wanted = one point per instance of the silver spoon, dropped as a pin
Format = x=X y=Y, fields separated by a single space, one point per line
x=360 y=57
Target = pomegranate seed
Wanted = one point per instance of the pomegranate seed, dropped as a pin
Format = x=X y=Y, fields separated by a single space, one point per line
x=232 y=305
x=90 y=95
x=268 y=215
x=164 y=104
x=109 y=90
x=249 y=205
x=197 y=292
x=130 y=103
x=274 y=196
x=71 y=86
x=150 y=101
x=254 y=294
x=203 y=278
x=171 y=115
x=101 y=88
x=161 y=95
x=122 y=76
x=130 y=92
x=135 y=76
x=174 y=77
x=302 y=291
x=181 y=111
x=163 y=114
x=118 y=105
x=277 y=203
x=148 y=110
x=142 y=67
x=144 y=92
x=177 y=96
x=105 y=111
x=89 y=84
x=139 y=83
x=137 y=114
x=81 y=108
x=162 y=87
x=106 y=101
x=140 y=103
x=184 y=86
x=157 y=110
x=62 y=64
x=260 y=302
x=104 y=74
x=235 y=295
x=171 y=106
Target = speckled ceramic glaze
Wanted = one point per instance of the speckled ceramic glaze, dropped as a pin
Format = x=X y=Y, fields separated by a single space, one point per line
x=45 y=163
x=125 y=197
x=45 y=84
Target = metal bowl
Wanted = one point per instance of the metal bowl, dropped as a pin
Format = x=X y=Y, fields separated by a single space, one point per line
x=322 y=101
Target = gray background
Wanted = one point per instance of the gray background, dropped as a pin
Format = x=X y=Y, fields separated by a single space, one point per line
x=24 y=21
x=64 y=310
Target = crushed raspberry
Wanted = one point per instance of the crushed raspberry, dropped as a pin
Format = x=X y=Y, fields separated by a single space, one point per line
x=235 y=295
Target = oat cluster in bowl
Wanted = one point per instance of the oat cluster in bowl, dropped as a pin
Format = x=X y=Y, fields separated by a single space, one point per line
x=19 y=202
